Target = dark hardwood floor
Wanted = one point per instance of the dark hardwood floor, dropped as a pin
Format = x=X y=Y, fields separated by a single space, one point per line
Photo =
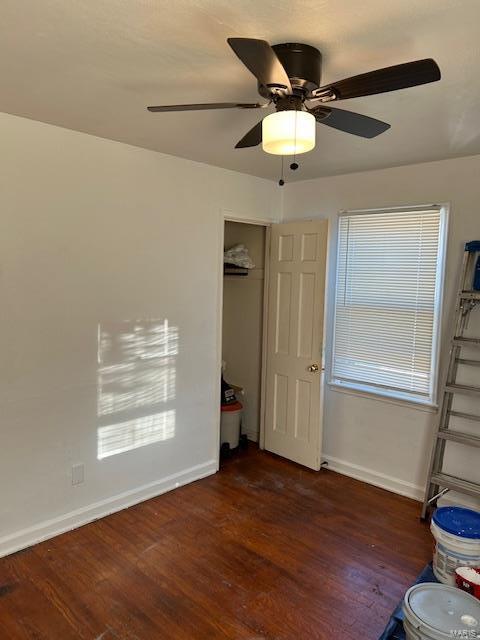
x=262 y=550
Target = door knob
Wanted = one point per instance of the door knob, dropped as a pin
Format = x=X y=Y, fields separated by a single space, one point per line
x=313 y=368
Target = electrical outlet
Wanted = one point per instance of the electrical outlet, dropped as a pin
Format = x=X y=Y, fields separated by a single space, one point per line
x=78 y=473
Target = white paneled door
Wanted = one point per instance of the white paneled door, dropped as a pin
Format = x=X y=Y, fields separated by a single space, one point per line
x=295 y=340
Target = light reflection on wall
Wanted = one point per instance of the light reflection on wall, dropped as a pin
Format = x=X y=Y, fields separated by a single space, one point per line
x=135 y=385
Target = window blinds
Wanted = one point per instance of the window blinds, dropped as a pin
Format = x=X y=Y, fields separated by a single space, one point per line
x=388 y=287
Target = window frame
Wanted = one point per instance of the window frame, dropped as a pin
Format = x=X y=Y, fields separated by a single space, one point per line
x=364 y=389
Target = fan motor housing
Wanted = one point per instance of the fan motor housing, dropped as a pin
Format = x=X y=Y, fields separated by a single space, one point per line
x=303 y=64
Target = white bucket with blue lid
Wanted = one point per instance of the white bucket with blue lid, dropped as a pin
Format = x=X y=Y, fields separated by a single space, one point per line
x=436 y=612
x=457 y=534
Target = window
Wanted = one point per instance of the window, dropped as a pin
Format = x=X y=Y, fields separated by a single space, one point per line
x=389 y=281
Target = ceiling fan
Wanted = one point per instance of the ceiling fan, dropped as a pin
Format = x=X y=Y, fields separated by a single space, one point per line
x=288 y=77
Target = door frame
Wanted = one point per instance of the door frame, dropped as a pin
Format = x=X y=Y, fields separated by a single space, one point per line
x=229 y=216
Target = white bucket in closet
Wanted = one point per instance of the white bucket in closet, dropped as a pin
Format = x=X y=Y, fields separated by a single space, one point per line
x=230 y=424
x=457 y=534
x=436 y=612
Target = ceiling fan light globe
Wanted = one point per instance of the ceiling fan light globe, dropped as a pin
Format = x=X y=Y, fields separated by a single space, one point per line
x=287 y=133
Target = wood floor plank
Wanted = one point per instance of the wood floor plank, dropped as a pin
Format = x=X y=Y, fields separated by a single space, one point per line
x=264 y=550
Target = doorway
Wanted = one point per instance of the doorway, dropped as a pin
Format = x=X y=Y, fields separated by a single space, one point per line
x=272 y=338
x=242 y=322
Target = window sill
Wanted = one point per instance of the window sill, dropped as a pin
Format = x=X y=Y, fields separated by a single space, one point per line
x=370 y=395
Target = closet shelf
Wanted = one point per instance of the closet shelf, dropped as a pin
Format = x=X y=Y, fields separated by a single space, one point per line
x=232 y=270
x=239 y=273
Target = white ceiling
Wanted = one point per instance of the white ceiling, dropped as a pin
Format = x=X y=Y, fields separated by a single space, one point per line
x=94 y=65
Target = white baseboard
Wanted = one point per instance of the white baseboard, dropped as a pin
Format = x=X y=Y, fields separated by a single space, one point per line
x=381 y=480
x=251 y=435
x=73 y=519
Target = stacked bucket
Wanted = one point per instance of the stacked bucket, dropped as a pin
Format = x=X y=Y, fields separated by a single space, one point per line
x=451 y=607
x=457 y=542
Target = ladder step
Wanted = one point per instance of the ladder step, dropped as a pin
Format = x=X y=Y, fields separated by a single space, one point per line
x=462 y=388
x=466 y=361
x=466 y=342
x=460 y=437
x=452 y=482
x=470 y=295
x=465 y=416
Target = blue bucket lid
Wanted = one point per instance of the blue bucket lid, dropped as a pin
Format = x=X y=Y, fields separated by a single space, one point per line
x=459 y=521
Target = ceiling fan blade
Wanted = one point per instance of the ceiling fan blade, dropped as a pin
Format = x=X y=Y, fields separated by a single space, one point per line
x=205 y=107
x=350 y=122
x=261 y=60
x=400 y=76
x=252 y=138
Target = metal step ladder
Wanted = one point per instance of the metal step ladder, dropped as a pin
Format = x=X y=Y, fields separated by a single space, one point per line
x=440 y=482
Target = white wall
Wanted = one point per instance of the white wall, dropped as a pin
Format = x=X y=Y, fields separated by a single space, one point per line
x=378 y=441
x=107 y=253
x=243 y=323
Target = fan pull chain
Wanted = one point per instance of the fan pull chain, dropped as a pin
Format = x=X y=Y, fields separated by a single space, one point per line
x=281 y=182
